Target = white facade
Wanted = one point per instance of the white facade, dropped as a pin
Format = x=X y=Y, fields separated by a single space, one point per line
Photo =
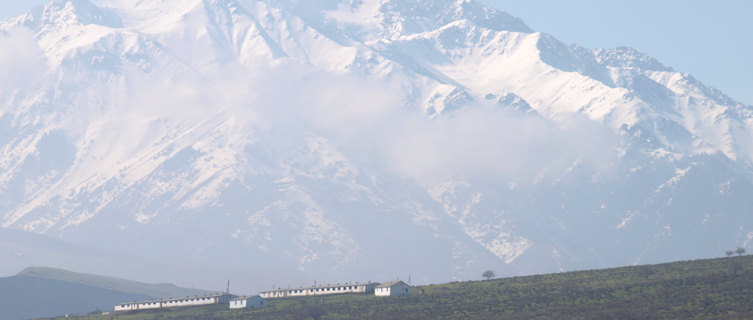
x=393 y=289
x=320 y=290
x=254 y=302
x=177 y=302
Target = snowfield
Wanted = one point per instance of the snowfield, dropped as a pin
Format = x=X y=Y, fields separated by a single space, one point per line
x=335 y=140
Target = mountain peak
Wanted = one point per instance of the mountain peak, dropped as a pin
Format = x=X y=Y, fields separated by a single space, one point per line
x=33 y=271
x=406 y=17
x=488 y=17
x=627 y=57
x=446 y=121
x=81 y=12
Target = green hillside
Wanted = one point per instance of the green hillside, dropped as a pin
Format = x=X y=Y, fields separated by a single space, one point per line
x=110 y=283
x=701 y=289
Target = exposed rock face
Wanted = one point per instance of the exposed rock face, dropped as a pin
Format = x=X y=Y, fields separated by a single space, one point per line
x=320 y=138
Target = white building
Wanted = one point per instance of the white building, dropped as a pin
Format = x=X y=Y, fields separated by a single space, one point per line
x=393 y=289
x=177 y=302
x=254 y=302
x=320 y=290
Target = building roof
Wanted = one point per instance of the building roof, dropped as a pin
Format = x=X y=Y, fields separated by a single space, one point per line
x=216 y=295
x=390 y=284
x=246 y=297
x=327 y=286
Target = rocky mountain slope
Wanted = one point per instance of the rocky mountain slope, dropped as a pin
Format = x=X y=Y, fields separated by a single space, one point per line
x=341 y=140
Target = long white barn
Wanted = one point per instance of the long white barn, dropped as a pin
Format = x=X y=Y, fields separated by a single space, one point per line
x=175 y=302
x=320 y=290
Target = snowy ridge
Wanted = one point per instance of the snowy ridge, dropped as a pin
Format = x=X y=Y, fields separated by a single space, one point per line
x=325 y=135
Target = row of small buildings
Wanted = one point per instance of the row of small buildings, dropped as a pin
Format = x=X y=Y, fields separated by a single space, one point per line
x=235 y=302
x=393 y=288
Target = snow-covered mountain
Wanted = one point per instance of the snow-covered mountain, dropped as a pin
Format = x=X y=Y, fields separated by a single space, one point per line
x=342 y=140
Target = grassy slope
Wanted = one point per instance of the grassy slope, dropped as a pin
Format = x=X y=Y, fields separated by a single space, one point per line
x=701 y=289
x=126 y=286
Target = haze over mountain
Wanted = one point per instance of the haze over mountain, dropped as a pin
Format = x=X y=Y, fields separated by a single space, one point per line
x=352 y=140
x=45 y=292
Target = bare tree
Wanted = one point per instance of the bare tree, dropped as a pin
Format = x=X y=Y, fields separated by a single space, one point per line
x=729 y=253
x=488 y=274
x=740 y=251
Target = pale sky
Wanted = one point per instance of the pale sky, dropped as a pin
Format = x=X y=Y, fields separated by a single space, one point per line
x=712 y=40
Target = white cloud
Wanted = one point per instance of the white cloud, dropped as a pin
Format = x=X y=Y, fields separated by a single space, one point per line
x=22 y=62
x=365 y=118
x=483 y=142
x=369 y=119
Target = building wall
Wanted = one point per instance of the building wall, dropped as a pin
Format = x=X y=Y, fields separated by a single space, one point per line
x=250 y=303
x=258 y=302
x=402 y=289
x=369 y=287
x=178 y=302
x=195 y=301
x=238 y=304
x=125 y=307
x=150 y=305
x=398 y=289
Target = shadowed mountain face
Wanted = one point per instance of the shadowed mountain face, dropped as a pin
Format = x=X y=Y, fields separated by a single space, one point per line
x=25 y=297
x=322 y=139
x=37 y=292
x=161 y=290
x=30 y=295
